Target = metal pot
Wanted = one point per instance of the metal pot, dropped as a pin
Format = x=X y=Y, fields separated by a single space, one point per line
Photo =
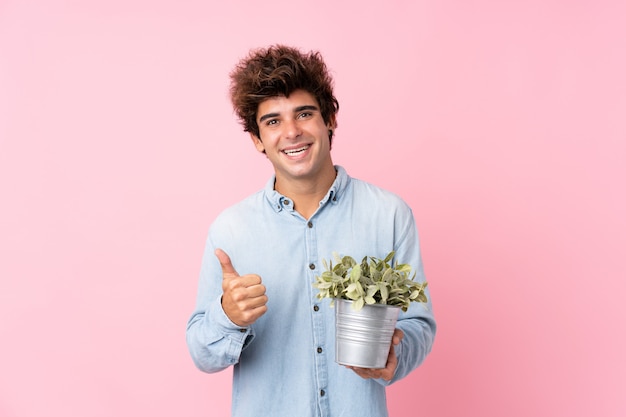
x=363 y=338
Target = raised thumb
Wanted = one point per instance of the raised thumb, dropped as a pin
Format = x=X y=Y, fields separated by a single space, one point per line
x=227 y=266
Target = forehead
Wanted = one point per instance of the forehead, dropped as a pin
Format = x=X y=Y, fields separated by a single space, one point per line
x=282 y=104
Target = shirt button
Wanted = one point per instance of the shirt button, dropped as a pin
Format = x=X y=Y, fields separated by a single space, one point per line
x=311 y=266
x=322 y=393
x=286 y=202
x=242 y=330
x=319 y=350
x=316 y=308
x=310 y=224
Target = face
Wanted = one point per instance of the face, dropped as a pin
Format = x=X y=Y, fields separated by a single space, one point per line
x=294 y=137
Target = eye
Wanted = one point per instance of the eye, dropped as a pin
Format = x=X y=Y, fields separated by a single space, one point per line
x=271 y=122
x=304 y=115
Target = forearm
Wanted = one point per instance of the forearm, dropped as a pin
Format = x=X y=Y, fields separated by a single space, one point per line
x=416 y=342
x=419 y=335
x=418 y=322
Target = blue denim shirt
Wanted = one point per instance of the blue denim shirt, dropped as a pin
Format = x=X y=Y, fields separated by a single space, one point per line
x=284 y=364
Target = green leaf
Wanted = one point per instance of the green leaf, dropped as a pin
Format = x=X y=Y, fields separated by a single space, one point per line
x=355 y=273
x=354 y=291
x=387 y=275
x=336 y=257
x=348 y=262
x=384 y=291
x=358 y=304
x=389 y=256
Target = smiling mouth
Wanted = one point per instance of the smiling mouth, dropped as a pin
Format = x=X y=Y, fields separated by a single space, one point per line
x=296 y=152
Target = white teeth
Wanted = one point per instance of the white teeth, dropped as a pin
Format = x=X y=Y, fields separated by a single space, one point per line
x=294 y=152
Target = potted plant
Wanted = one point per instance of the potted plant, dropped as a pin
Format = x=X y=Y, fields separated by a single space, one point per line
x=368 y=296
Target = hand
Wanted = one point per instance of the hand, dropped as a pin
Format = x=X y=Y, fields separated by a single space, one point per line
x=244 y=299
x=392 y=362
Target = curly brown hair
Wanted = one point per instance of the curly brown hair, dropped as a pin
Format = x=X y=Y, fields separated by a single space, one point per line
x=278 y=71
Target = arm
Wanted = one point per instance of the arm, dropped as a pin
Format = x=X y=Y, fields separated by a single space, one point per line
x=215 y=342
x=418 y=323
x=226 y=307
x=416 y=328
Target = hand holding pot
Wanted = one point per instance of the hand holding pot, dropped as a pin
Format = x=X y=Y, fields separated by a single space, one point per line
x=244 y=299
x=392 y=362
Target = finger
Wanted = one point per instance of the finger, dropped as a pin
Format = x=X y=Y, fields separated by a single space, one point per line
x=243 y=287
x=398 y=335
x=247 y=297
x=227 y=267
x=367 y=373
x=362 y=372
x=392 y=363
x=256 y=291
x=248 y=317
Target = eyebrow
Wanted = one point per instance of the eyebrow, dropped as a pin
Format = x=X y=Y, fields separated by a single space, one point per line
x=296 y=110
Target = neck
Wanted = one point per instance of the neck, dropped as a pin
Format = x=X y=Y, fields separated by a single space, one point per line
x=306 y=194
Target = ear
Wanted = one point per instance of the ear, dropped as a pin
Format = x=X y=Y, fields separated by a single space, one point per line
x=258 y=143
x=332 y=122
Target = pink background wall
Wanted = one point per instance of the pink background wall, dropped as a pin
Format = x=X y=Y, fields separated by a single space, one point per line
x=502 y=123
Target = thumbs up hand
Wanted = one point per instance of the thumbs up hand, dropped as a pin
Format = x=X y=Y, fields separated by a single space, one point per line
x=244 y=299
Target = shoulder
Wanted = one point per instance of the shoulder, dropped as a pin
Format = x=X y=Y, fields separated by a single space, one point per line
x=240 y=212
x=364 y=190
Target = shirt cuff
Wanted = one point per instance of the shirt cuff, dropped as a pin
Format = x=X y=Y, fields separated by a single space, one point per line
x=238 y=334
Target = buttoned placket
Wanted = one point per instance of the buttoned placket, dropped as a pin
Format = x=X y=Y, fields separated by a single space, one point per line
x=319 y=342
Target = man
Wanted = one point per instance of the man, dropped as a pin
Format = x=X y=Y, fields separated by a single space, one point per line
x=256 y=307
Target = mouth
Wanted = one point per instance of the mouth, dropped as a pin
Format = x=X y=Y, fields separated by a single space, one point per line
x=296 y=151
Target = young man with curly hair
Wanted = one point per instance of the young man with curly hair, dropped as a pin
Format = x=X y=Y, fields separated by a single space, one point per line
x=256 y=308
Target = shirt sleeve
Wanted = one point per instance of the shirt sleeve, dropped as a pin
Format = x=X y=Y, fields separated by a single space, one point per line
x=213 y=340
x=418 y=322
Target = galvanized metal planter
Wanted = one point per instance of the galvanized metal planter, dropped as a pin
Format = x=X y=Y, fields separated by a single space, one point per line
x=363 y=338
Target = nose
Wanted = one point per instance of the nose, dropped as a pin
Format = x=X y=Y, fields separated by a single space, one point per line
x=291 y=129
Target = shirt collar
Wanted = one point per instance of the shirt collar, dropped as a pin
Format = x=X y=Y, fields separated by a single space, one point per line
x=334 y=194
